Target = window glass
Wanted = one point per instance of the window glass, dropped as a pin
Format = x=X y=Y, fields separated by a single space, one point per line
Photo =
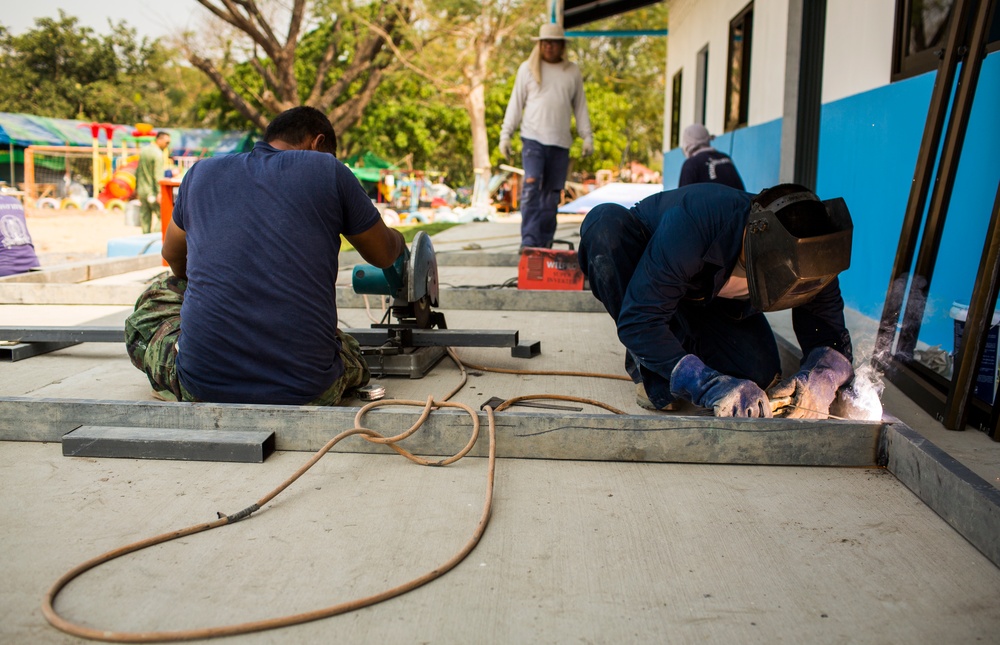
x=701 y=86
x=738 y=77
x=928 y=24
x=921 y=32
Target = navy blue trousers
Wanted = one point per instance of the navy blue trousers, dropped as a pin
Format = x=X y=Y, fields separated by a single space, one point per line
x=545 y=170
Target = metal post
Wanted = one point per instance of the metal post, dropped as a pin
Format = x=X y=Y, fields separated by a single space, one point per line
x=556 y=12
x=29 y=176
x=984 y=297
x=803 y=92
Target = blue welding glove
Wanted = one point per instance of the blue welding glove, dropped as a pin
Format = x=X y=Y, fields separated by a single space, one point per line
x=815 y=385
x=728 y=396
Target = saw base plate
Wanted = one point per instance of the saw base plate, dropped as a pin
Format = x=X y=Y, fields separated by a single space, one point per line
x=413 y=362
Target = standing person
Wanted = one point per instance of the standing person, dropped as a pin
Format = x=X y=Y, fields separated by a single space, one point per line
x=687 y=274
x=17 y=252
x=147 y=180
x=704 y=163
x=548 y=91
x=253 y=245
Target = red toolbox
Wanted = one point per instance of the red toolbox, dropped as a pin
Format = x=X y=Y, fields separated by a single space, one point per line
x=549 y=269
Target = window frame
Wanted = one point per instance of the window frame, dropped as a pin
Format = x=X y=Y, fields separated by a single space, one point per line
x=675 y=108
x=744 y=20
x=909 y=65
x=701 y=86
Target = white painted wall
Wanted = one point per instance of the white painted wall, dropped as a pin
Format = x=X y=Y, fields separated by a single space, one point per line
x=857 y=54
x=767 y=61
x=692 y=25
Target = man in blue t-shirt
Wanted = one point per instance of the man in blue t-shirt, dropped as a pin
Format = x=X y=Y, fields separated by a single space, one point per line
x=253 y=245
x=17 y=253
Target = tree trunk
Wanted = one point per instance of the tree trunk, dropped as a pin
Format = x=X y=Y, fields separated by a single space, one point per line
x=475 y=103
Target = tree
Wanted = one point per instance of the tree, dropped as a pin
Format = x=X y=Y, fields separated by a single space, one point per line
x=318 y=53
x=452 y=45
x=408 y=124
x=625 y=81
x=60 y=69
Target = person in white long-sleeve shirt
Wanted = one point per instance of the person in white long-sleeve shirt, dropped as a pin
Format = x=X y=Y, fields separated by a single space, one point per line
x=548 y=92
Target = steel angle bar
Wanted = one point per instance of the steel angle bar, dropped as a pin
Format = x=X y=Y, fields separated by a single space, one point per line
x=373 y=337
x=21 y=351
x=365 y=336
x=63 y=334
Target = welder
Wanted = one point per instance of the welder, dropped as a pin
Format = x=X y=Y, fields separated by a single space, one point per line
x=687 y=275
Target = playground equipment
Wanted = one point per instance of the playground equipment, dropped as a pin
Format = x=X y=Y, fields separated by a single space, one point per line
x=109 y=133
x=73 y=177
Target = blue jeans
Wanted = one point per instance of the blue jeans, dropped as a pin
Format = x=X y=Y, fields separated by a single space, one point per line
x=544 y=178
x=727 y=335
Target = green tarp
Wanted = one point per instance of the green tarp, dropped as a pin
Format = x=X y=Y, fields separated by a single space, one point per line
x=23 y=130
x=368 y=166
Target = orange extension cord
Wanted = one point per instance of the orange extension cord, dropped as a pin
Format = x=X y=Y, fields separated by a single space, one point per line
x=74 y=629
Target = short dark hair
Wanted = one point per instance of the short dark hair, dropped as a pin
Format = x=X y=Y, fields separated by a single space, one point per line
x=162 y=133
x=299 y=123
x=802 y=218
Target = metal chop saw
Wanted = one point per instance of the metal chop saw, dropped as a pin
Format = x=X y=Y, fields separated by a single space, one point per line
x=419 y=337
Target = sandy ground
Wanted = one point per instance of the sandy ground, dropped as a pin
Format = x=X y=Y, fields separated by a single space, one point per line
x=63 y=236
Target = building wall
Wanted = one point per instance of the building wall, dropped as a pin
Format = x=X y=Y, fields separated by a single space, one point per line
x=868 y=151
x=857 y=54
x=870 y=135
x=696 y=24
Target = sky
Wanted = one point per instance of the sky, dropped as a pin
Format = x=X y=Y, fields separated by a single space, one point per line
x=152 y=18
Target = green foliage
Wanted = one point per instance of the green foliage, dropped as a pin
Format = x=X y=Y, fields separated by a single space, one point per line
x=409 y=232
x=60 y=69
x=624 y=77
x=408 y=117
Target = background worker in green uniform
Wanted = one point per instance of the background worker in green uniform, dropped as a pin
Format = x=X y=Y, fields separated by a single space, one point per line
x=147 y=180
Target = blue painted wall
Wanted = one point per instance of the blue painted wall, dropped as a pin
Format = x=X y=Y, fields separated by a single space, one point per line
x=868 y=151
x=756 y=152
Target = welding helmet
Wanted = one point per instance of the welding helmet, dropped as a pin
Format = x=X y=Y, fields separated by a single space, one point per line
x=794 y=245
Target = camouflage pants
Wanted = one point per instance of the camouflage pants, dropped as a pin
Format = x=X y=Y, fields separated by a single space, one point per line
x=148 y=213
x=152 y=331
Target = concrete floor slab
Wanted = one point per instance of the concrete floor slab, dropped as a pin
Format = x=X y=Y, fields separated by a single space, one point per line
x=599 y=551
x=576 y=552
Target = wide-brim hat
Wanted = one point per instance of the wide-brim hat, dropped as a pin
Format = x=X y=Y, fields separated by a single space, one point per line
x=550 y=31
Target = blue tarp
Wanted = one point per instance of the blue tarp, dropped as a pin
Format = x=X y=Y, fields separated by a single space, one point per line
x=23 y=130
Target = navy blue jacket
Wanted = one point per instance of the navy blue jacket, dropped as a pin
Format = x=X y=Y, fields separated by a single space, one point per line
x=710 y=166
x=695 y=238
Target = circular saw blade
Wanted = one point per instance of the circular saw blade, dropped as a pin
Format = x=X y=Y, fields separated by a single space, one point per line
x=422 y=271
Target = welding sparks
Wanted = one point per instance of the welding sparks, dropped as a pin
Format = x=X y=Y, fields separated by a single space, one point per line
x=862 y=400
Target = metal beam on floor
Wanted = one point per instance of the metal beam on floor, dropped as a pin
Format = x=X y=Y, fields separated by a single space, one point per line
x=183 y=444
x=652 y=438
